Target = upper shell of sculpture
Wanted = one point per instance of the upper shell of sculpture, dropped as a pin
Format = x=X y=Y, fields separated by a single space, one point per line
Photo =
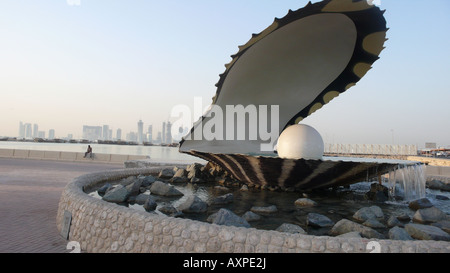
x=299 y=63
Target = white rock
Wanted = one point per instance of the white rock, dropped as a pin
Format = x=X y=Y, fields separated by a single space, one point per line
x=290 y=228
x=367 y=213
x=305 y=202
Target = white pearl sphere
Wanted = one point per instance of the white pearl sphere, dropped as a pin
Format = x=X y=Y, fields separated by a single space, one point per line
x=300 y=141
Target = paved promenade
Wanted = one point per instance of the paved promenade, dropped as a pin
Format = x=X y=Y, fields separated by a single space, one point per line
x=29 y=195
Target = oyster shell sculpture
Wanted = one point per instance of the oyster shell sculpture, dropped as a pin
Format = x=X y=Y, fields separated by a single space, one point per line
x=299 y=63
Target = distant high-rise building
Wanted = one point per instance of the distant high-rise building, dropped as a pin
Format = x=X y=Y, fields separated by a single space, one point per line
x=51 y=134
x=35 y=130
x=92 y=132
x=150 y=133
x=28 y=132
x=21 y=130
x=41 y=134
x=159 y=139
x=119 y=134
x=169 y=133
x=105 y=132
x=163 y=135
x=132 y=136
x=140 y=134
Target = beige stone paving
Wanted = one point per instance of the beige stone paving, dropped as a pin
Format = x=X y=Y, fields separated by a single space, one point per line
x=29 y=194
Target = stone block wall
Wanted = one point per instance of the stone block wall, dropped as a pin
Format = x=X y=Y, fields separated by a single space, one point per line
x=68 y=156
x=105 y=227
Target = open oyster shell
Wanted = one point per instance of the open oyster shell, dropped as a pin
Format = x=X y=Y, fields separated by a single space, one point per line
x=299 y=63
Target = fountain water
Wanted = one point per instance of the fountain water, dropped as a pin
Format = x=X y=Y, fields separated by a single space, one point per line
x=410 y=178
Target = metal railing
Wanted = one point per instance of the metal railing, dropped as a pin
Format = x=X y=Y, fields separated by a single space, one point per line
x=371 y=149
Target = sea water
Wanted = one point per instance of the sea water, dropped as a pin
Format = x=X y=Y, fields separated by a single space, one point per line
x=155 y=153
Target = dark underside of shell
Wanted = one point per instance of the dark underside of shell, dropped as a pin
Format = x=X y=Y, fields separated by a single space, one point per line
x=297 y=173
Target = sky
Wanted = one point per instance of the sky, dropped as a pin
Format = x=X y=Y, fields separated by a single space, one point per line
x=69 y=63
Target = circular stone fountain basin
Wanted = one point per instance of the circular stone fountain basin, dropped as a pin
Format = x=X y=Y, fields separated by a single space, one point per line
x=101 y=226
x=336 y=204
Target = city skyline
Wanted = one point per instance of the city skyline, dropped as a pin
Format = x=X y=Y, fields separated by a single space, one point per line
x=30 y=131
x=102 y=132
x=64 y=66
x=94 y=133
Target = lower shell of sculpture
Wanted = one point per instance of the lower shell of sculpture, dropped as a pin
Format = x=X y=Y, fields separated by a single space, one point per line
x=301 y=174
